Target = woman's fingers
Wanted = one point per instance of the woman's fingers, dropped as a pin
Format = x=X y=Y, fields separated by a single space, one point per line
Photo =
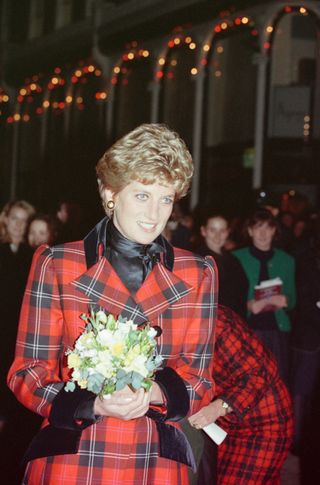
x=124 y=405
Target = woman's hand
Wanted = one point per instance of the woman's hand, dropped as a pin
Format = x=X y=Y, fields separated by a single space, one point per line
x=279 y=301
x=208 y=414
x=124 y=404
x=156 y=394
x=257 y=306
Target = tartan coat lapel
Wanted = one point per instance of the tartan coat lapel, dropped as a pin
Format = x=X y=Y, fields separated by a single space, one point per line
x=102 y=285
x=160 y=290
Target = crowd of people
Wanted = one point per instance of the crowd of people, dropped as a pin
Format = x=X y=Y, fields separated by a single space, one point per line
x=268 y=245
x=266 y=342
x=22 y=230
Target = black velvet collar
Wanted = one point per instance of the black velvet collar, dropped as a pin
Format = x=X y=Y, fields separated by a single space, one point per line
x=95 y=246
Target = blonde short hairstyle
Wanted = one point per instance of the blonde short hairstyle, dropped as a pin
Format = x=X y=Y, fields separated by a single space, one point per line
x=151 y=153
x=20 y=204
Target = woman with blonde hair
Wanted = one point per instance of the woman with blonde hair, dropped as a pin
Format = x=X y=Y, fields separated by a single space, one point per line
x=127 y=267
x=13 y=221
x=15 y=260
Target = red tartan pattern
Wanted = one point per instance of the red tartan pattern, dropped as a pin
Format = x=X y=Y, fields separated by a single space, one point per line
x=260 y=428
x=59 y=289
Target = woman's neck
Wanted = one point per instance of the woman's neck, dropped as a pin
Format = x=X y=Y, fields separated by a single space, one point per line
x=214 y=248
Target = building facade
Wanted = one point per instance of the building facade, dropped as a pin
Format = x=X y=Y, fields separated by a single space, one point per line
x=239 y=82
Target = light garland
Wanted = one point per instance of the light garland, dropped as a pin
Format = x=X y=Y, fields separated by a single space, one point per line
x=36 y=84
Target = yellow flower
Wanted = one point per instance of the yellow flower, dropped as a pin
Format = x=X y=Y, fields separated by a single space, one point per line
x=74 y=361
x=83 y=383
x=117 y=348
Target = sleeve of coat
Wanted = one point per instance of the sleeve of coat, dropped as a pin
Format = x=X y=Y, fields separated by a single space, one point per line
x=34 y=376
x=195 y=363
x=243 y=368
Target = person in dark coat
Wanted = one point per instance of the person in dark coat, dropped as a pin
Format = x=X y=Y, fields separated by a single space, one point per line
x=233 y=283
x=18 y=424
x=305 y=344
x=251 y=403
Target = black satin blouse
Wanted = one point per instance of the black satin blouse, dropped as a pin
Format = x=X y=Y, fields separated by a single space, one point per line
x=131 y=260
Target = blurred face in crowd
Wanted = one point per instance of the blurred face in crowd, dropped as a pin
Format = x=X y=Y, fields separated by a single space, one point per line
x=215 y=233
x=141 y=211
x=262 y=235
x=63 y=213
x=38 y=233
x=16 y=224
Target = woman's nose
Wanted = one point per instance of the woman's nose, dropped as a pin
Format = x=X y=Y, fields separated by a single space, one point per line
x=153 y=210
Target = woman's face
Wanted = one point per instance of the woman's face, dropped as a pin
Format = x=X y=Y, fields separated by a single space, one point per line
x=16 y=224
x=141 y=211
x=38 y=233
x=215 y=233
x=262 y=235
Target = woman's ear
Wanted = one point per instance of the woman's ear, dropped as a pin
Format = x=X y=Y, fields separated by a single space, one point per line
x=106 y=195
x=203 y=231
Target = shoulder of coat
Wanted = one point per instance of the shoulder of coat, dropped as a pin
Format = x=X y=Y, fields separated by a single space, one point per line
x=188 y=258
x=70 y=250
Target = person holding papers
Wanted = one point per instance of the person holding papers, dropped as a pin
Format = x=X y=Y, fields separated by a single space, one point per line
x=269 y=301
x=252 y=405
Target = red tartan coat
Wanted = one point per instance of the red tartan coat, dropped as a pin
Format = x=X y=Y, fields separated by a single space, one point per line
x=60 y=288
x=260 y=427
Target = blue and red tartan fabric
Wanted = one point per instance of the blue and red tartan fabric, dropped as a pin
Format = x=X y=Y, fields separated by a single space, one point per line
x=60 y=287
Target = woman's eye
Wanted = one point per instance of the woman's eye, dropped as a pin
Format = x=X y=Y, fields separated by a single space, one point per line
x=167 y=200
x=142 y=196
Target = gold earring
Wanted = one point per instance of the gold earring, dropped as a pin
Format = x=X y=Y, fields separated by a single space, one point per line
x=110 y=205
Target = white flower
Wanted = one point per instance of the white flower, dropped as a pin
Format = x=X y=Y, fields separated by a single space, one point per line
x=91 y=353
x=138 y=365
x=130 y=323
x=152 y=332
x=105 y=337
x=76 y=375
x=104 y=369
x=101 y=316
x=85 y=341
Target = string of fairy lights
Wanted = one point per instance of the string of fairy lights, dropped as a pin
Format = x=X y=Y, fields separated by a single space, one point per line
x=65 y=88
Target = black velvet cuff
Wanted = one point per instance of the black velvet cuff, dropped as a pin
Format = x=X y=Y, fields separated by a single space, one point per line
x=174 y=445
x=176 y=394
x=51 y=441
x=73 y=410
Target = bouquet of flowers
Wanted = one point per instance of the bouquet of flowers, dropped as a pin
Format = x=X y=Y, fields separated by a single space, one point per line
x=111 y=354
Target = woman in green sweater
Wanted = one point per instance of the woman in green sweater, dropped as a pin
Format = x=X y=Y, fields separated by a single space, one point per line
x=261 y=261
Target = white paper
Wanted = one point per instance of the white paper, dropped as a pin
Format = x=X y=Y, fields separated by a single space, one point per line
x=215 y=432
x=266 y=283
